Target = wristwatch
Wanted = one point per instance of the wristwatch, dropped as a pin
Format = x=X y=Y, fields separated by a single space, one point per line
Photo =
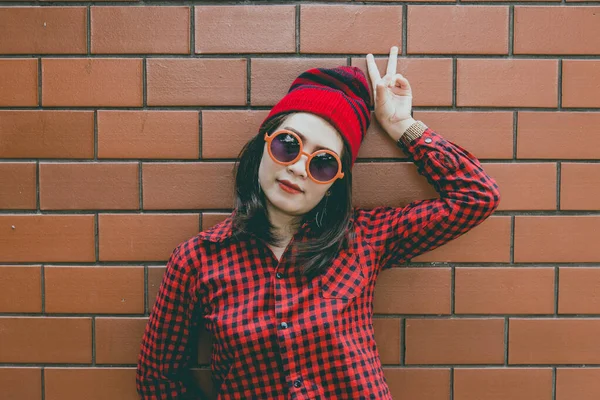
x=414 y=131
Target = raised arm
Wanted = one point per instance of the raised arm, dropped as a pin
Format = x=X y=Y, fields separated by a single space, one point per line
x=163 y=362
x=467 y=197
x=467 y=194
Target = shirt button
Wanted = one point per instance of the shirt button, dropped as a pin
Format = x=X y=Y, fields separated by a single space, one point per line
x=278 y=275
x=297 y=383
x=427 y=140
x=283 y=325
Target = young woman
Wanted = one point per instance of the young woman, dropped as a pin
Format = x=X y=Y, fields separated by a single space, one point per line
x=285 y=284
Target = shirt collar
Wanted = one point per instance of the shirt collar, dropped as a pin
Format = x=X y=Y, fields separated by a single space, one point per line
x=218 y=232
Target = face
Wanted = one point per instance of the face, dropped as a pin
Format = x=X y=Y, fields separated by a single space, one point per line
x=315 y=133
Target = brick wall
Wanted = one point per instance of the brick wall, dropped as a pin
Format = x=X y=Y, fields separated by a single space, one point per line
x=119 y=123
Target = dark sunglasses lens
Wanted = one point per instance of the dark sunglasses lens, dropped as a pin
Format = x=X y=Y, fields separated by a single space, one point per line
x=324 y=167
x=285 y=147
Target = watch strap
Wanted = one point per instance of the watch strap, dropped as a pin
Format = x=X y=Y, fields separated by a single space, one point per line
x=413 y=132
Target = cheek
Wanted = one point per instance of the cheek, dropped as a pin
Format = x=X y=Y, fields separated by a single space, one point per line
x=317 y=192
x=266 y=170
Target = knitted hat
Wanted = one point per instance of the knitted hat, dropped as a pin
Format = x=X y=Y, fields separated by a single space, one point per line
x=340 y=95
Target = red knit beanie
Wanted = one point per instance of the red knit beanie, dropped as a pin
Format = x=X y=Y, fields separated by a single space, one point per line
x=340 y=95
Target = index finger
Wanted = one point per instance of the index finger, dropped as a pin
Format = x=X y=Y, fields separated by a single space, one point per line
x=392 y=61
x=373 y=71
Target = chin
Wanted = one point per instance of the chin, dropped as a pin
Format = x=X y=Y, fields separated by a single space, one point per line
x=285 y=204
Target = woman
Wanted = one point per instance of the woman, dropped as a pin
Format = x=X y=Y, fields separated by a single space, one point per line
x=285 y=284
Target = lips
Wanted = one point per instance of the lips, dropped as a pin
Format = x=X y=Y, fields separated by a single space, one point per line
x=290 y=185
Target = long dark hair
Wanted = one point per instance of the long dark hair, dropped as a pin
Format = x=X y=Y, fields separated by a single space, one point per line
x=334 y=212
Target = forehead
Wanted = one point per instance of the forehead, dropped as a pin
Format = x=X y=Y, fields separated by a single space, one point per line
x=316 y=130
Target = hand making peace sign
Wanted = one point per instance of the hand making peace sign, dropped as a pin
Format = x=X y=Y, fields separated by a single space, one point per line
x=392 y=95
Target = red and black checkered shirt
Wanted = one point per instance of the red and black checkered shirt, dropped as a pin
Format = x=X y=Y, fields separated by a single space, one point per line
x=279 y=335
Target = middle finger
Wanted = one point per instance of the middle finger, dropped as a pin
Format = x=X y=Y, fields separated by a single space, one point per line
x=392 y=61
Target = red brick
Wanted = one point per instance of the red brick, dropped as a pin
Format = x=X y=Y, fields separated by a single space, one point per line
x=98 y=290
x=378 y=144
x=581 y=79
x=246 y=29
x=487 y=242
x=19 y=82
x=139 y=30
x=145 y=237
x=577 y=383
x=535 y=128
x=148 y=134
x=418 y=383
x=46 y=134
x=525 y=186
x=45 y=340
x=556 y=238
x=21 y=383
x=430 y=79
x=578 y=290
x=271 y=78
x=579 y=186
x=43 y=30
x=107 y=186
x=90 y=383
x=413 y=291
x=373 y=186
x=455 y=341
x=20 y=289
x=18 y=183
x=504 y=290
x=47 y=238
x=196 y=82
x=457 y=29
x=515 y=83
x=191 y=185
x=225 y=132
x=483 y=134
x=553 y=341
x=503 y=383
x=388 y=338
x=357 y=28
x=115 y=82
x=556 y=30
x=118 y=339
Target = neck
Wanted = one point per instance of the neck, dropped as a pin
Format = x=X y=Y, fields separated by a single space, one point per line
x=285 y=225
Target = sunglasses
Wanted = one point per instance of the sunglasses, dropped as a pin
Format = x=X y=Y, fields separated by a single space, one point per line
x=285 y=148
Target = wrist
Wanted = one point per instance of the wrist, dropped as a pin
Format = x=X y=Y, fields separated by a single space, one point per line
x=398 y=129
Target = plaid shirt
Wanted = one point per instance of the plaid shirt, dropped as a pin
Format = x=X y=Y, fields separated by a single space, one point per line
x=279 y=335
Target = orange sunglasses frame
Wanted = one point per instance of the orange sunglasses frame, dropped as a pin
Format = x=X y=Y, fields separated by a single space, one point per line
x=269 y=139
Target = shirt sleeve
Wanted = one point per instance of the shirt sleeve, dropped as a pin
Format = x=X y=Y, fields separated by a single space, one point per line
x=162 y=369
x=467 y=197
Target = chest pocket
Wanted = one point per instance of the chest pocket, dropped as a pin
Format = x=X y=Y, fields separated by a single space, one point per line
x=345 y=278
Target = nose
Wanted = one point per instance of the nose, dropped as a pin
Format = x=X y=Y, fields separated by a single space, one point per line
x=299 y=167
